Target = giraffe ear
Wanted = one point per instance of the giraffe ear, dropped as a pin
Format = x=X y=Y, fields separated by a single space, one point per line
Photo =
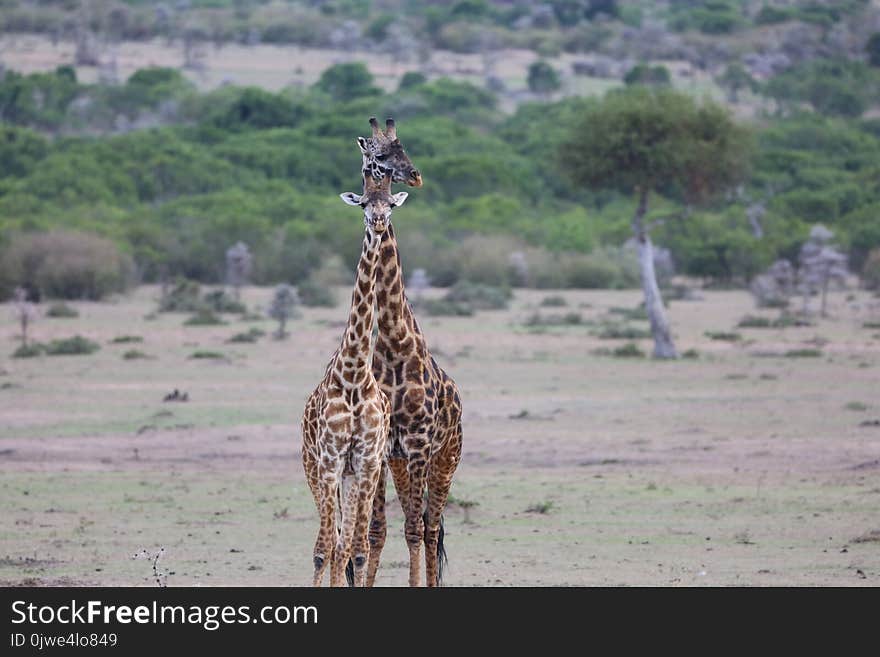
x=363 y=145
x=399 y=198
x=350 y=198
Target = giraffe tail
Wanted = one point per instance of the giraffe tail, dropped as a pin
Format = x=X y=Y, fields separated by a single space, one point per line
x=349 y=572
x=442 y=559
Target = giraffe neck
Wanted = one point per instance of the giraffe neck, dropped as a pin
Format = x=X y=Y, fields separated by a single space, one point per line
x=399 y=335
x=352 y=360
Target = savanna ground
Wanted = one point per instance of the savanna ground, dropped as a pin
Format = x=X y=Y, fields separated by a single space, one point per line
x=742 y=467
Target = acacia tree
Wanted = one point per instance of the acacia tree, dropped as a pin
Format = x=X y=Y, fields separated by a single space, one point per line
x=643 y=142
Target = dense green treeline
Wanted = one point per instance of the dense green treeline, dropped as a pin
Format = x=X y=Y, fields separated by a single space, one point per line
x=175 y=177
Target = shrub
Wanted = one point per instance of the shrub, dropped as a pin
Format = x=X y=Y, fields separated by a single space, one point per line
x=568 y=319
x=29 y=350
x=66 y=265
x=691 y=354
x=75 y=346
x=629 y=350
x=314 y=294
x=207 y=355
x=134 y=354
x=723 y=336
x=631 y=314
x=126 y=339
x=61 y=310
x=803 y=353
x=221 y=302
x=478 y=296
x=283 y=308
x=871 y=270
x=751 y=321
x=183 y=296
x=248 y=336
x=623 y=332
x=543 y=78
x=553 y=301
x=204 y=317
x=445 y=307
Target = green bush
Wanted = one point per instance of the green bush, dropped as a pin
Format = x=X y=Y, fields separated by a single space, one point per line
x=250 y=336
x=134 y=354
x=479 y=296
x=30 y=350
x=313 y=294
x=184 y=296
x=723 y=336
x=221 y=302
x=445 y=308
x=751 y=321
x=126 y=339
x=540 y=320
x=65 y=264
x=629 y=350
x=61 y=310
x=207 y=355
x=623 y=332
x=75 y=346
x=204 y=317
x=803 y=353
x=553 y=301
x=871 y=270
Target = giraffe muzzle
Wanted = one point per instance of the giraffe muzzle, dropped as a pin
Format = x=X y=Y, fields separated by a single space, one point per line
x=415 y=178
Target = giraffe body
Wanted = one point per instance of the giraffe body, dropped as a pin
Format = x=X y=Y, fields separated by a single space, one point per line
x=424 y=445
x=346 y=420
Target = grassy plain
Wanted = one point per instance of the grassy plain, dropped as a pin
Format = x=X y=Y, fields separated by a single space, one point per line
x=739 y=467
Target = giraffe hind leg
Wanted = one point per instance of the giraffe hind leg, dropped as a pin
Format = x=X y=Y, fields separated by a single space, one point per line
x=378 y=527
x=443 y=465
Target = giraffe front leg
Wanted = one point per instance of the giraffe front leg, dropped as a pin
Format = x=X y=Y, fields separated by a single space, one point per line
x=443 y=465
x=401 y=483
x=378 y=525
x=327 y=484
x=418 y=451
x=368 y=478
x=348 y=511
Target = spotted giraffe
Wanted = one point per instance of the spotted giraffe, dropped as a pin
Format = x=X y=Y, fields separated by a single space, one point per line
x=425 y=440
x=346 y=419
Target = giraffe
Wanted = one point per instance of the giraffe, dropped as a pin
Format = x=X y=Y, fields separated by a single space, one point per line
x=346 y=419
x=425 y=440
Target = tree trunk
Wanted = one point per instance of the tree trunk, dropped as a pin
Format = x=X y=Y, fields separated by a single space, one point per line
x=663 y=345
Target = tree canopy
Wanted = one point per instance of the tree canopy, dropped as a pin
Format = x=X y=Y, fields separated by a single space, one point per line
x=656 y=140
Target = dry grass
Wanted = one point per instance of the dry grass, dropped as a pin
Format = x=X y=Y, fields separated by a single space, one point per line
x=659 y=473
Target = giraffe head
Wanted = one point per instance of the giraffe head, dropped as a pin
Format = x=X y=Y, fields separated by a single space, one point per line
x=377 y=202
x=384 y=155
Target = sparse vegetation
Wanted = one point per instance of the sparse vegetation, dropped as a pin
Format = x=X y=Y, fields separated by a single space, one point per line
x=723 y=336
x=283 y=308
x=126 y=339
x=623 y=332
x=61 y=310
x=803 y=353
x=75 y=346
x=541 y=508
x=204 y=317
x=553 y=301
x=134 y=354
x=628 y=350
x=249 y=336
x=207 y=355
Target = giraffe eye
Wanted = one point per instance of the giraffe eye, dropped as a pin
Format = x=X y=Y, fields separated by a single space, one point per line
x=382 y=157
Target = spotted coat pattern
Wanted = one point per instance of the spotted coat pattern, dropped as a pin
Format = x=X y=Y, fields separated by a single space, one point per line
x=424 y=446
x=345 y=427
